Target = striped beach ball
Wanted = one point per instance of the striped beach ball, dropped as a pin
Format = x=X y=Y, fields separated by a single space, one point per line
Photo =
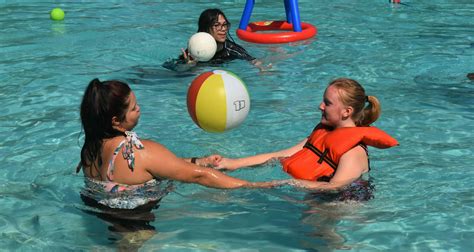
x=218 y=101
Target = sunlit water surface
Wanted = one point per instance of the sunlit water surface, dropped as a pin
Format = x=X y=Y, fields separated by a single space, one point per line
x=413 y=57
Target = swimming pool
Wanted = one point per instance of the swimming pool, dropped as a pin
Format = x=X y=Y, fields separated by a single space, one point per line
x=413 y=57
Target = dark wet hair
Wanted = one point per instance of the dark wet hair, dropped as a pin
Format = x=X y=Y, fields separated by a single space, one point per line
x=100 y=103
x=208 y=18
x=367 y=109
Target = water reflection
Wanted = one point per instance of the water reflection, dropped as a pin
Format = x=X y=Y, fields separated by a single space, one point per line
x=129 y=229
x=323 y=215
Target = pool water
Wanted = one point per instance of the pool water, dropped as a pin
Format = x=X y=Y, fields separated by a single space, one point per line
x=413 y=57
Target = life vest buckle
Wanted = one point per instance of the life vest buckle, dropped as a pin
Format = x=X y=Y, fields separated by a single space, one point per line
x=321 y=157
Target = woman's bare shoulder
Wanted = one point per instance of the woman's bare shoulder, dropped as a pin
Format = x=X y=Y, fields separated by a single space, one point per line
x=357 y=151
x=151 y=143
x=155 y=149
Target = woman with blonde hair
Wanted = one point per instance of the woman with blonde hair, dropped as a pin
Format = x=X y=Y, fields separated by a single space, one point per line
x=335 y=155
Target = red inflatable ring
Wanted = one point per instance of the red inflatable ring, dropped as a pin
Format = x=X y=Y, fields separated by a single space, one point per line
x=251 y=35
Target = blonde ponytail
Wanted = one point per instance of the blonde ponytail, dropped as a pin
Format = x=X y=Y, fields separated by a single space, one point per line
x=370 y=113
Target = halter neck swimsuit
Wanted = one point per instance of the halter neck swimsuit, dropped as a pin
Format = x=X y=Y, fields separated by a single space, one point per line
x=123 y=196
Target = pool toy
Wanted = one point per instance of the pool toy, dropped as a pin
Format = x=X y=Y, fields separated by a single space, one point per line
x=57 y=14
x=218 y=101
x=202 y=46
x=290 y=30
x=394 y=1
x=324 y=148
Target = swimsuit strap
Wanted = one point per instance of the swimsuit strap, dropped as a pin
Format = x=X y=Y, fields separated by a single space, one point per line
x=366 y=152
x=127 y=152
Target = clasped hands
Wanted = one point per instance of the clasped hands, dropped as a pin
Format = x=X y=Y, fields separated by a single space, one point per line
x=217 y=162
x=222 y=163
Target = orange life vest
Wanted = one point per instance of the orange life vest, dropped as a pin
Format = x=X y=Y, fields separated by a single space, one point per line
x=321 y=153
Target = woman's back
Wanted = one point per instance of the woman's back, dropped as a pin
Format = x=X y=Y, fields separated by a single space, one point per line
x=119 y=164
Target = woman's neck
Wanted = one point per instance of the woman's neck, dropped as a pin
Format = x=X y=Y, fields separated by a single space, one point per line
x=220 y=46
x=346 y=124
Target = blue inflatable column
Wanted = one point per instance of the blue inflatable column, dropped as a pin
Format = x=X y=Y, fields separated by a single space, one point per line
x=293 y=14
x=244 y=21
x=291 y=10
x=287 y=11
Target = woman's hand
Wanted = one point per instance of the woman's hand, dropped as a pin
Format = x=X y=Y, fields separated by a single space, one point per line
x=259 y=64
x=209 y=161
x=226 y=163
x=188 y=58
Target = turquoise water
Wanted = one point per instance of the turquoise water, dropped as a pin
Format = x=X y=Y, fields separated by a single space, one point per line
x=413 y=57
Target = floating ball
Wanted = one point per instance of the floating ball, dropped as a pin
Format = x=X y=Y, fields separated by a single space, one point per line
x=218 y=101
x=202 y=46
x=57 y=14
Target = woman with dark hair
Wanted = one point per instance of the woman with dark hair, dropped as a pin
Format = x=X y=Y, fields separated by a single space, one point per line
x=214 y=22
x=123 y=172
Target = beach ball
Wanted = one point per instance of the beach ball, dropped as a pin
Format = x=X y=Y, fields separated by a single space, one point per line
x=57 y=14
x=218 y=101
x=202 y=46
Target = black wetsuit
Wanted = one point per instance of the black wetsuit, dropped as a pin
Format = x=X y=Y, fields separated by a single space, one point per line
x=229 y=52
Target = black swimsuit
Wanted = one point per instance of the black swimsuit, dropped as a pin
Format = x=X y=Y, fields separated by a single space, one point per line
x=230 y=52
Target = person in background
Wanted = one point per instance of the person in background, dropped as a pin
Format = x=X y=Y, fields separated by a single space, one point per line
x=470 y=76
x=335 y=155
x=214 y=22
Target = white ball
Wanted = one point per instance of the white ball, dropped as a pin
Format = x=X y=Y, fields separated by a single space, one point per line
x=202 y=46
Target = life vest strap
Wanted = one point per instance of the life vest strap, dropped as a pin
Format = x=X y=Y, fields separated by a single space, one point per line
x=322 y=155
x=321 y=158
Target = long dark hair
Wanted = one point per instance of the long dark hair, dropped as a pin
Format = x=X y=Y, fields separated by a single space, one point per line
x=100 y=103
x=208 y=18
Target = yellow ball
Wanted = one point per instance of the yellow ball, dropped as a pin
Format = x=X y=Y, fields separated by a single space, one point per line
x=57 y=14
x=218 y=101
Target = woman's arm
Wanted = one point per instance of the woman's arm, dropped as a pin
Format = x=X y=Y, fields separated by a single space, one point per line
x=233 y=164
x=160 y=162
x=184 y=62
x=351 y=166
